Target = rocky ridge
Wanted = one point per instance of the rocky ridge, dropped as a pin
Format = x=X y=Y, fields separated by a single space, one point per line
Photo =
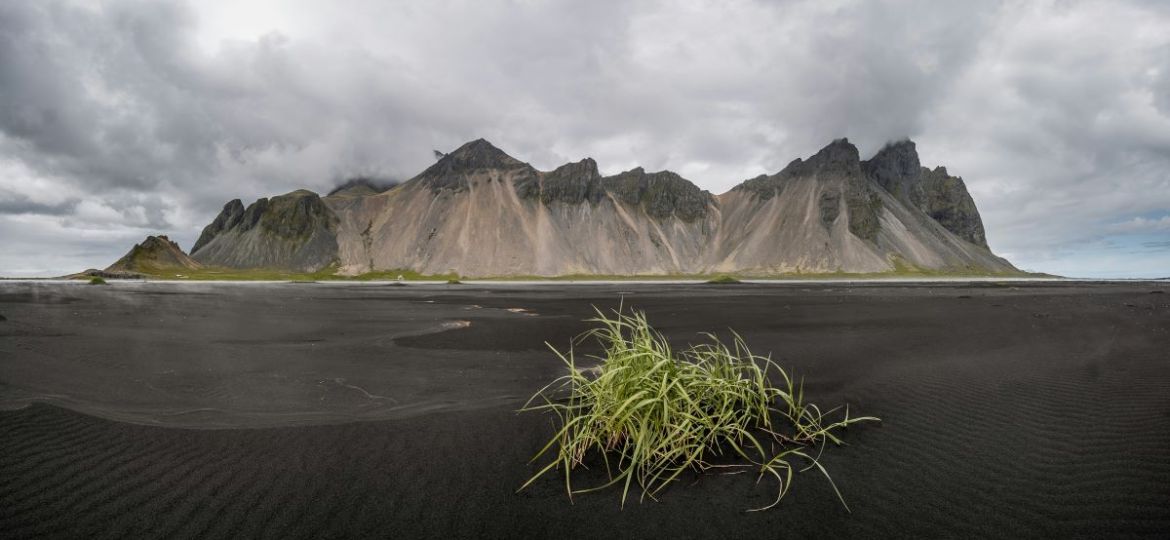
x=294 y=231
x=942 y=197
x=479 y=212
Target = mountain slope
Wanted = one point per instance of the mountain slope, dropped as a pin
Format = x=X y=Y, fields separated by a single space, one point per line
x=836 y=213
x=479 y=212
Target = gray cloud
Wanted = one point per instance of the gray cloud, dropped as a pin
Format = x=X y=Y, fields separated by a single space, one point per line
x=17 y=204
x=123 y=117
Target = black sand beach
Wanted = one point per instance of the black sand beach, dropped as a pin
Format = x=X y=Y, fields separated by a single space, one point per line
x=343 y=410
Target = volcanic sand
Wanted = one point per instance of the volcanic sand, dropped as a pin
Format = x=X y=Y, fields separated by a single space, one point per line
x=337 y=410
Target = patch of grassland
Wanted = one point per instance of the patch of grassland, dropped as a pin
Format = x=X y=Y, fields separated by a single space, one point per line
x=649 y=414
x=329 y=273
x=97 y=281
x=392 y=275
x=778 y=276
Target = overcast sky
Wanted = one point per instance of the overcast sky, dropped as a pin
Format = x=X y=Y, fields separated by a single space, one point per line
x=120 y=119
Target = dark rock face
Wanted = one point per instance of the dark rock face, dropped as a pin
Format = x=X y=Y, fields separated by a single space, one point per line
x=451 y=171
x=837 y=161
x=252 y=215
x=896 y=169
x=228 y=218
x=830 y=206
x=765 y=187
x=295 y=215
x=942 y=197
x=945 y=198
x=840 y=159
x=573 y=183
x=840 y=156
x=865 y=207
x=661 y=194
x=528 y=187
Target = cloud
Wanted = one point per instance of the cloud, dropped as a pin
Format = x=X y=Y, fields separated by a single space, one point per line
x=134 y=116
x=14 y=203
x=1057 y=124
x=1141 y=224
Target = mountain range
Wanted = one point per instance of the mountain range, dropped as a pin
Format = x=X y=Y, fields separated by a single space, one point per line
x=480 y=212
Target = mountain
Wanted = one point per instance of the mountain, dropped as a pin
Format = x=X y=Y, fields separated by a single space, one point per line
x=294 y=231
x=479 y=212
x=154 y=255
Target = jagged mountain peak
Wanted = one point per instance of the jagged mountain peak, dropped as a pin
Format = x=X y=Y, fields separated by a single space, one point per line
x=898 y=170
x=233 y=205
x=837 y=157
x=661 y=194
x=160 y=241
x=586 y=167
x=903 y=145
x=479 y=154
x=838 y=154
x=895 y=161
x=451 y=171
x=229 y=217
x=571 y=183
x=477 y=145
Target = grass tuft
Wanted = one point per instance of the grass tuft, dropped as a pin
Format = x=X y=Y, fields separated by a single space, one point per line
x=454 y=281
x=97 y=281
x=650 y=414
